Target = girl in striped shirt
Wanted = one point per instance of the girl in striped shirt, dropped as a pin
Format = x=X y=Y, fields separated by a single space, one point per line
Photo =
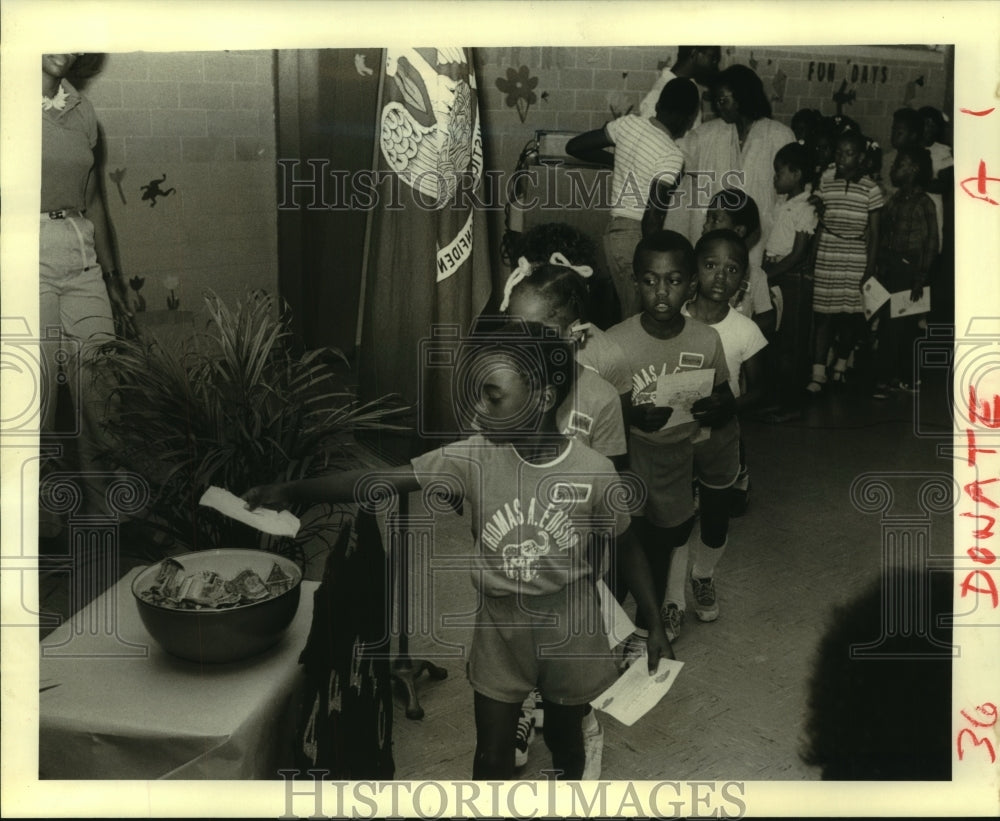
x=849 y=202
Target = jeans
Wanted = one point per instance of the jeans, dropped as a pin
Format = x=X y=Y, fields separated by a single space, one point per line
x=620 y=238
x=75 y=318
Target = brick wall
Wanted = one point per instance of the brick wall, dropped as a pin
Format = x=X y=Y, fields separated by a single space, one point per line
x=206 y=121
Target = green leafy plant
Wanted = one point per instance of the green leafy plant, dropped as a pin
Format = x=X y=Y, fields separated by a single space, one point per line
x=236 y=406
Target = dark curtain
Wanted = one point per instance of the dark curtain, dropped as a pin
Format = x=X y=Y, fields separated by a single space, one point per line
x=325 y=111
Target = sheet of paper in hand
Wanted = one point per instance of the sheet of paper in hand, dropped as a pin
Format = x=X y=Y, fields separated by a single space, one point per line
x=680 y=391
x=873 y=297
x=901 y=304
x=617 y=624
x=268 y=521
x=637 y=692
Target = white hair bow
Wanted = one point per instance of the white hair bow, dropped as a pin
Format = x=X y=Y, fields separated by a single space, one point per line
x=583 y=270
x=525 y=268
x=520 y=273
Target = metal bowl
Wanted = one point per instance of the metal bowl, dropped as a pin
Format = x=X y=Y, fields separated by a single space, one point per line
x=220 y=635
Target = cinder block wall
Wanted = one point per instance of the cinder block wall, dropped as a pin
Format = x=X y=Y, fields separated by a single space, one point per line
x=578 y=89
x=582 y=88
x=206 y=121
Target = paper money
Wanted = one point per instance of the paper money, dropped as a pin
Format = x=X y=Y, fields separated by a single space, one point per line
x=267 y=521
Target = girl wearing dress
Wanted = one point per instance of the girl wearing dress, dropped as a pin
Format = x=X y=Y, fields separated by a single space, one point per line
x=849 y=202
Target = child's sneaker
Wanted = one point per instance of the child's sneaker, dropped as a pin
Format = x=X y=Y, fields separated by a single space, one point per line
x=707 y=608
x=673 y=620
x=524 y=736
x=634 y=648
x=593 y=747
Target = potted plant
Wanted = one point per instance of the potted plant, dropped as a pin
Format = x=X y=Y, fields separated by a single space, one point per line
x=238 y=405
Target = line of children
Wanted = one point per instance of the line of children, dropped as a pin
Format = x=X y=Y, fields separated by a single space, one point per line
x=541 y=562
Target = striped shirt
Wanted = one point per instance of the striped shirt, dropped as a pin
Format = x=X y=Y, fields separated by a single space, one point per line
x=644 y=153
x=848 y=204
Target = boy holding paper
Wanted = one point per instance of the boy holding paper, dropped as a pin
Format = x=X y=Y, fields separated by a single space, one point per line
x=907 y=247
x=661 y=343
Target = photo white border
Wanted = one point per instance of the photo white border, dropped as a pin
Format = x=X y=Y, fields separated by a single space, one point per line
x=31 y=26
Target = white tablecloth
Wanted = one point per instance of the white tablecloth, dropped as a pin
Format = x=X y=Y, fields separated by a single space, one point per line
x=110 y=710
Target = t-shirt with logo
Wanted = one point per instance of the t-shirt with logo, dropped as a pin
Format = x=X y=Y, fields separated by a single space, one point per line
x=696 y=347
x=592 y=414
x=534 y=525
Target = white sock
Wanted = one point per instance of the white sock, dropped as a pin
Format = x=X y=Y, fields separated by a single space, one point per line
x=819 y=373
x=705 y=559
x=677 y=577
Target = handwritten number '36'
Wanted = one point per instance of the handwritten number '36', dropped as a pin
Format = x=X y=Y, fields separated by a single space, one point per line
x=987 y=709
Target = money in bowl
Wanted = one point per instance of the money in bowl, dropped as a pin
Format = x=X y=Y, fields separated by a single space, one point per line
x=215 y=606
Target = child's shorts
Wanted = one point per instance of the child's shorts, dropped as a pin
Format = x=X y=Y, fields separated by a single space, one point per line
x=554 y=642
x=666 y=470
x=717 y=459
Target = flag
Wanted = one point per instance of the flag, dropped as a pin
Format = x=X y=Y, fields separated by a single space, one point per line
x=428 y=273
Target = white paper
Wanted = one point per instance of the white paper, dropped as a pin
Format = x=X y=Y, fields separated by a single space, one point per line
x=263 y=519
x=617 y=624
x=873 y=297
x=901 y=305
x=680 y=391
x=636 y=692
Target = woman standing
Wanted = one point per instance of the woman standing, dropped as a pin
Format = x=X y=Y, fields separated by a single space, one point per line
x=737 y=149
x=80 y=282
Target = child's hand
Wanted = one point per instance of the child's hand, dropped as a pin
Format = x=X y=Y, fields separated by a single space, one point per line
x=649 y=418
x=276 y=497
x=916 y=292
x=712 y=410
x=658 y=646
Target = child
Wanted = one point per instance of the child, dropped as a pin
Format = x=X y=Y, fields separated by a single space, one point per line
x=846 y=242
x=660 y=342
x=805 y=125
x=827 y=134
x=595 y=350
x=907 y=130
x=722 y=259
x=531 y=559
x=942 y=164
x=734 y=210
x=555 y=294
x=647 y=166
x=908 y=242
x=786 y=263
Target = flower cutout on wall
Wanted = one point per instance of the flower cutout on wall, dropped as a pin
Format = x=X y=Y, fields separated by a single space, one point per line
x=171 y=284
x=519 y=88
